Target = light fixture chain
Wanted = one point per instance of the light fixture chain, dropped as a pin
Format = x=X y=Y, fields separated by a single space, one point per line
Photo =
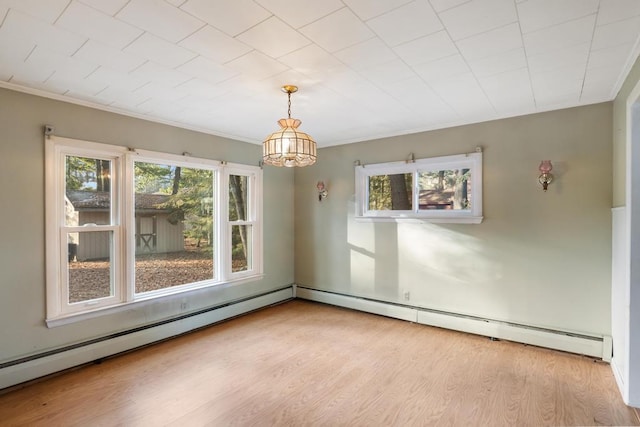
x=289 y=110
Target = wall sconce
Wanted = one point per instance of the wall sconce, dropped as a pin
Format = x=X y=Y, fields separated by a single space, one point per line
x=545 y=177
x=322 y=190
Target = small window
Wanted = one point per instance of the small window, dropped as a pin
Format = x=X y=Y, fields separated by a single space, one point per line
x=437 y=189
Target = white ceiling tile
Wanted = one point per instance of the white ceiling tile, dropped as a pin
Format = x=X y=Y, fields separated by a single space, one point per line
x=110 y=7
x=442 y=5
x=124 y=98
x=83 y=96
x=61 y=64
x=231 y=17
x=117 y=80
x=202 y=88
x=366 y=54
x=617 y=10
x=557 y=87
x=270 y=89
x=274 y=38
x=14 y=50
x=256 y=65
x=27 y=79
x=425 y=49
x=602 y=76
x=599 y=84
x=63 y=82
x=510 y=90
x=406 y=23
x=301 y=12
x=177 y=3
x=495 y=64
x=205 y=69
x=367 y=9
x=323 y=75
x=560 y=58
x=215 y=45
x=17 y=25
x=558 y=77
x=21 y=74
x=444 y=68
x=107 y=56
x=392 y=71
x=159 y=74
x=550 y=99
x=463 y=94
x=337 y=31
x=478 y=16
x=47 y=11
x=310 y=59
x=159 y=90
x=160 y=107
x=617 y=33
x=491 y=43
x=160 y=18
x=160 y=51
x=96 y=25
x=559 y=36
x=535 y=15
x=616 y=56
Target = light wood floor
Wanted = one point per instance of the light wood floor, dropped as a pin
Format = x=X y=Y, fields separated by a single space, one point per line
x=302 y=363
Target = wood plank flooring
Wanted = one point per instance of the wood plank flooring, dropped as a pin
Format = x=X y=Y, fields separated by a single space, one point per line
x=307 y=364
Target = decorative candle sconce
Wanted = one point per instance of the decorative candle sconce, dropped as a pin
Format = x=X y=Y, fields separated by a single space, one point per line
x=322 y=190
x=546 y=176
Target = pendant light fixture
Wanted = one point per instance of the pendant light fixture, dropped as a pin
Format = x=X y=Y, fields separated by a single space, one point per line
x=289 y=147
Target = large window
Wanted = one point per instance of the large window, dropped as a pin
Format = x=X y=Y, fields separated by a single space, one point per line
x=438 y=189
x=125 y=226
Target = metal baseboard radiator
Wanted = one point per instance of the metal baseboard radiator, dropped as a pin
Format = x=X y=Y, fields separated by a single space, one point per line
x=35 y=366
x=595 y=346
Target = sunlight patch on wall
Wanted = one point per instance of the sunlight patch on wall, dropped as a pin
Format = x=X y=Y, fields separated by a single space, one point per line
x=441 y=254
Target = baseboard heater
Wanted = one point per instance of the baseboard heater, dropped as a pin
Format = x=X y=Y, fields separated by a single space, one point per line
x=38 y=365
x=595 y=346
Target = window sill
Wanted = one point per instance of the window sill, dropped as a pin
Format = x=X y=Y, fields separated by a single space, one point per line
x=70 y=318
x=435 y=220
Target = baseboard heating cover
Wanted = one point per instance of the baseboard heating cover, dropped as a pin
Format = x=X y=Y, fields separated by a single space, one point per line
x=36 y=366
x=595 y=346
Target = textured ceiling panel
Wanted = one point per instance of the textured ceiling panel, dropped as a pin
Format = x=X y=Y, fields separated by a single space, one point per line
x=366 y=69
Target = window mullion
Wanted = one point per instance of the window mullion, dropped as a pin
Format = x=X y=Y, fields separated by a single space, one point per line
x=224 y=227
x=127 y=212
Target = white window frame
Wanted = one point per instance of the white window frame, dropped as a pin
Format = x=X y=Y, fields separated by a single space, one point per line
x=471 y=161
x=59 y=311
x=254 y=212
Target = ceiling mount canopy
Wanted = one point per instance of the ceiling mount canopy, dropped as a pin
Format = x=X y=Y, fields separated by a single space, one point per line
x=289 y=147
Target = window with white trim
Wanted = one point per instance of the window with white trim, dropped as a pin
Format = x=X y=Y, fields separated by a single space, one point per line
x=436 y=189
x=130 y=225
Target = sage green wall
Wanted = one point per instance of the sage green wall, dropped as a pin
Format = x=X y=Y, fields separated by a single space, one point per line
x=620 y=134
x=22 y=246
x=538 y=258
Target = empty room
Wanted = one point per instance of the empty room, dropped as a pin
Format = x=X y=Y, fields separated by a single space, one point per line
x=337 y=212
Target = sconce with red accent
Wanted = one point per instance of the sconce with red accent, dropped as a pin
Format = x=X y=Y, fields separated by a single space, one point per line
x=322 y=190
x=546 y=176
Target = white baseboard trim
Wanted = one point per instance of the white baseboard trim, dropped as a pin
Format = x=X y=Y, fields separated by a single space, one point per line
x=36 y=367
x=375 y=307
x=558 y=340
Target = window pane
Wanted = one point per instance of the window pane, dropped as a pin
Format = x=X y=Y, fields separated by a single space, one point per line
x=174 y=226
x=237 y=198
x=240 y=248
x=87 y=191
x=448 y=189
x=89 y=265
x=390 y=192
